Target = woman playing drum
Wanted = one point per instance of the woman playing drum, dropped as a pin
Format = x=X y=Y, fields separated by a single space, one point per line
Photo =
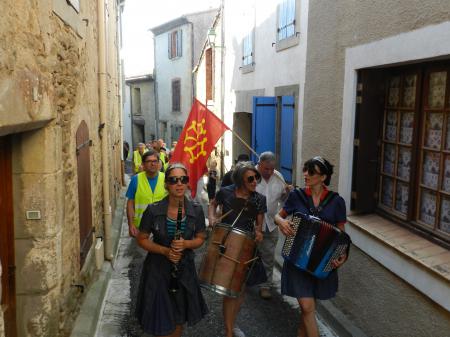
x=162 y=311
x=245 y=178
x=315 y=199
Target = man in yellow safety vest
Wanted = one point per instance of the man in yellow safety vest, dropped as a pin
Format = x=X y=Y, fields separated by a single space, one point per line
x=145 y=188
x=137 y=157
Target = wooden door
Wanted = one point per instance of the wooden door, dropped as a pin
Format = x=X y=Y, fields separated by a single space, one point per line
x=8 y=303
x=84 y=190
x=263 y=124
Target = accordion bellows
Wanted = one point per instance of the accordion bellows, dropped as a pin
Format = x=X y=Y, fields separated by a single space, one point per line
x=314 y=245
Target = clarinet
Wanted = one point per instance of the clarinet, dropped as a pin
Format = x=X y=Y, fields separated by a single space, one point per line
x=173 y=283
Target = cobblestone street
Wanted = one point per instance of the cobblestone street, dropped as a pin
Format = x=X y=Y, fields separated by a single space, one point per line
x=277 y=317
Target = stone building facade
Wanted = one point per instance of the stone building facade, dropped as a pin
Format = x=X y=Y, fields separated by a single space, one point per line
x=60 y=141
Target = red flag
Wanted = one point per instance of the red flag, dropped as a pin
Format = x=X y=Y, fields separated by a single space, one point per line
x=198 y=138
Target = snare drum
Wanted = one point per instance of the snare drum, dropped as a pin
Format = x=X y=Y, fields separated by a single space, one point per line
x=227 y=261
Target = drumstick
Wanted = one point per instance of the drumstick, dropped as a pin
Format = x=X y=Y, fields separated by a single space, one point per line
x=223 y=216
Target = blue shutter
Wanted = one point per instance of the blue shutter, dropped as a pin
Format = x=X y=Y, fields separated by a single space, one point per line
x=286 y=139
x=263 y=124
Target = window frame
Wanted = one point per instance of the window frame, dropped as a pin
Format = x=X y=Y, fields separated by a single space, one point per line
x=175 y=44
x=176 y=105
x=293 y=39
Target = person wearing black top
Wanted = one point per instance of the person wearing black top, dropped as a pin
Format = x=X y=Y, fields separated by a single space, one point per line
x=160 y=310
x=245 y=177
x=315 y=199
x=227 y=177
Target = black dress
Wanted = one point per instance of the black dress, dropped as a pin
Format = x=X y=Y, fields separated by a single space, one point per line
x=157 y=309
x=226 y=197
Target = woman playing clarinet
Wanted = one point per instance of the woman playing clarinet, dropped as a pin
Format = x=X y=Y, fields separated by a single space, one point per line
x=231 y=199
x=169 y=293
x=315 y=199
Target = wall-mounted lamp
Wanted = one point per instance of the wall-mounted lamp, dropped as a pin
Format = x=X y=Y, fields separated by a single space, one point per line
x=212 y=38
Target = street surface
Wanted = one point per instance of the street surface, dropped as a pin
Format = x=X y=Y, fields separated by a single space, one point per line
x=277 y=317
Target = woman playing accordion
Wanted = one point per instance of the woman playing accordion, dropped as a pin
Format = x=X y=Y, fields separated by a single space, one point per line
x=316 y=200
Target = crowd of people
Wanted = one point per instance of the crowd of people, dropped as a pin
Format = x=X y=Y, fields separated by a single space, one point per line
x=169 y=225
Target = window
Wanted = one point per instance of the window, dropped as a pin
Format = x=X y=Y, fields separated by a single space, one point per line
x=175 y=44
x=136 y=102
x=247 y=52
x=414 y=182
x=176 y=95
x=209 y=74
x=286 y=19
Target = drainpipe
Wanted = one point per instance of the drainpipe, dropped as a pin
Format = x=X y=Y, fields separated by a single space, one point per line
x=222 y=85
x=103 y=122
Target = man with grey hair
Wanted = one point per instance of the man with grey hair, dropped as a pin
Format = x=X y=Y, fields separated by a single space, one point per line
x=274 y=188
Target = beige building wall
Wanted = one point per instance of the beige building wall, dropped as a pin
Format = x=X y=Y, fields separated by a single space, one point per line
x=333 y=27
x=48 y=86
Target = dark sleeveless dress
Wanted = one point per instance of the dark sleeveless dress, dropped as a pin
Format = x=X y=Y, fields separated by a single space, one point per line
x=157 y=309
x=295 y=282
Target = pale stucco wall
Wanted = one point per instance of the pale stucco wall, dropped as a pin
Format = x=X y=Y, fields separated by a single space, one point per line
x=333 y=27
x=48 y=85
x=272 y=68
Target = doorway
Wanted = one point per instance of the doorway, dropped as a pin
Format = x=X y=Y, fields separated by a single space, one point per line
x=8 y=303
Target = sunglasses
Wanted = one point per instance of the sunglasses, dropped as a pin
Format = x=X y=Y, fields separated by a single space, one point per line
x=251 y=179
x=174 y=180
x=310 y=171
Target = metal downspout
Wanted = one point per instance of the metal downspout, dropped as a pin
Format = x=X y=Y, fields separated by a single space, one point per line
x=104 y=124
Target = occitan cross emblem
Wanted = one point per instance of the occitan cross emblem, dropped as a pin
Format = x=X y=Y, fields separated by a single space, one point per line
x=196 y=136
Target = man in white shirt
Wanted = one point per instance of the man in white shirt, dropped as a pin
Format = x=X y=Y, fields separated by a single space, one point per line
x=274 y=188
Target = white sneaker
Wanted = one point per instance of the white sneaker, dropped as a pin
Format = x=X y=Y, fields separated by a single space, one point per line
x=238 y=332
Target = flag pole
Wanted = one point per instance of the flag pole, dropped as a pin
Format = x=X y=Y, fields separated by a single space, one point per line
x=245 y=143
x=254 y=152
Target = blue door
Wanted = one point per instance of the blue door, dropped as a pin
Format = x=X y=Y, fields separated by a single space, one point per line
x=263 y=124
x=286 y=136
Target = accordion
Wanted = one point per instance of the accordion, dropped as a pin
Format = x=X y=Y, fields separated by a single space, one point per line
x=314 y=245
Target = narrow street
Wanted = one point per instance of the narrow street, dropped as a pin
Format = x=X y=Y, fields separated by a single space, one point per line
x=277 y=317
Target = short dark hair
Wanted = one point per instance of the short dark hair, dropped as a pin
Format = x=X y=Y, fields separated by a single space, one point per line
x=150 y=153
x=239 y=171
x=242 y=157
x=325 y=167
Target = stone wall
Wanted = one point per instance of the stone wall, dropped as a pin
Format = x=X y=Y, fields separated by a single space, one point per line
x=49 y=83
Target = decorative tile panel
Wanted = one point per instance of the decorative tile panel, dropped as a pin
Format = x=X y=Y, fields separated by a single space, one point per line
x=394 y=91
x=391 y=126
x=430 y=169
x=428 y=207
x=446 y=179
x=409 y=91
x=404 y=163
x=389 y=159
x=434 y=125
x=387 y=191
x=445 y=215
x=436 y=95
x=402 y=197
x=406 y=127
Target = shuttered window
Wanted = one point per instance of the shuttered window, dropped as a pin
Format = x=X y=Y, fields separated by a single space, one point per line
x=176 y=95
x=286 y=19
x=247 y=52
x=175 y=44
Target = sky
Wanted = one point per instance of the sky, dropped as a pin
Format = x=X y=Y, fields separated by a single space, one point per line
x=139 y=16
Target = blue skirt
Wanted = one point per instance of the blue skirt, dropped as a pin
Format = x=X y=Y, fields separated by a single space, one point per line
x=300 y=284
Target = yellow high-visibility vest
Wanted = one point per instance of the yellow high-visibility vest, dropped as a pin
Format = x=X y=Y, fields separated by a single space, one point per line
x=145 y=196
x=162 y=157
x=137 y=160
